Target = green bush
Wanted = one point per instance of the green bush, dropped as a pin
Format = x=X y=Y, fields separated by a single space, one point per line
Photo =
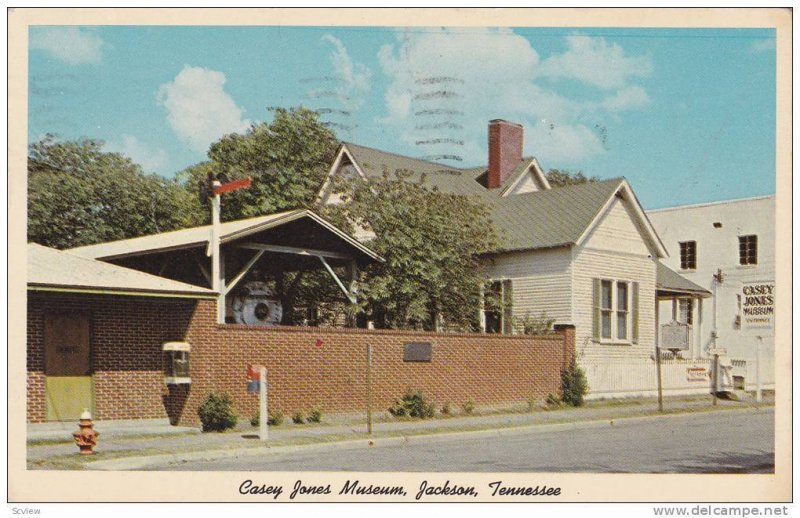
x=274 y=419
x=447 y=409
x=532 y=403
x=216 y=413
x=573 y=384
x=298 y=418
x=468 y=407
x=315 y=416
x=413 y=404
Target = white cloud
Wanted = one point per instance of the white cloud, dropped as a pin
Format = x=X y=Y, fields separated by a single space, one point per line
x=151 y=159
x=626 y=99
x=595 y=62
x=198 y=108
x=495 y=73
x=69 y=44
x=563 y=143
x=354 y=77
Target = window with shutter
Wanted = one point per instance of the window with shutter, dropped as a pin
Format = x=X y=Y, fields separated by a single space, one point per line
x=616 y=311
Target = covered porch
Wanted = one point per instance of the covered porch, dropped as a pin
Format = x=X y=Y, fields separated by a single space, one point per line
x=679 y=314
x=261 y=262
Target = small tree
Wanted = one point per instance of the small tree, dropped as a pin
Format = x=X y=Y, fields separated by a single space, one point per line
x=216 y=413
x=431 y=242
x=562 y=177
x=573 y=384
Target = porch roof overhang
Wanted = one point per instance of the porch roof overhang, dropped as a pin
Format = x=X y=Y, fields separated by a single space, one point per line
x=670 y=283
x=329 y=241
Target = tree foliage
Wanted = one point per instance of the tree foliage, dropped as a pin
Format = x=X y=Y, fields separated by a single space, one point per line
x=431 y=242
x=287 y=159
x=563 y=177
x=78 y=195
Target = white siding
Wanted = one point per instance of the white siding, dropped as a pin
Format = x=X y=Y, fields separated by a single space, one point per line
x=718 y=248
x=590 y=264
x=615 y=249
x=541 y=282
x=617 y=231
x=525 y=184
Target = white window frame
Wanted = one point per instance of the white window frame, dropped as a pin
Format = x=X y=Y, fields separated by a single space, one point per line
x=503 y=309
x=628 y=340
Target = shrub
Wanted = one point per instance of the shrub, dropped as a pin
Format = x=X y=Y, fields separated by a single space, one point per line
x=532 y=404
x=446 y=409
x=534 y=326
x=298 y=418
x=315 y=416
x=553 y=400
x=468 y=407
x=216 y=413
x=573 y=384
x=413 y=404
x=274 y=419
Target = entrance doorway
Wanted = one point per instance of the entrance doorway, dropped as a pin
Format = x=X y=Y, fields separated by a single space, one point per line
x=67 y=366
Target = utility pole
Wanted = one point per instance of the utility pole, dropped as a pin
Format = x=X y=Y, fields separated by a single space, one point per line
x=718 y=279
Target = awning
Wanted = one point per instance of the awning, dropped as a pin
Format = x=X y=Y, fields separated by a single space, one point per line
x=671 y=283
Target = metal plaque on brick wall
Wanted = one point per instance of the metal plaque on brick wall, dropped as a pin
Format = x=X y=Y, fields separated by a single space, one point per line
x=418 y=352
x=674 y=336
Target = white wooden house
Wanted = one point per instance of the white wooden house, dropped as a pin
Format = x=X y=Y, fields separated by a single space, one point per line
x=585 y=255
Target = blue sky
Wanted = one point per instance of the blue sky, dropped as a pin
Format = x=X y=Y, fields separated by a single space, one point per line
x=687 y=116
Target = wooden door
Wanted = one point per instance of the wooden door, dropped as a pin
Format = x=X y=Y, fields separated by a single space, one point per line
x=67 y=366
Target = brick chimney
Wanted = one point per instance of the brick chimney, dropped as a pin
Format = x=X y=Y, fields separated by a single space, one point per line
x=505 y=151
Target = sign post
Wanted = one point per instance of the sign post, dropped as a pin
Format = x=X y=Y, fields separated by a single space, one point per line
x=369 y=389
x=263 y=429
x=758 y=368
x=257 y=382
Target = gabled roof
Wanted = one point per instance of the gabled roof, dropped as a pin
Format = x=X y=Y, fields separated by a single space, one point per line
x=551 y=218
x=372 y=163
x=55 y=270
x=668 y=280
x=545 y=218
x=199 y=236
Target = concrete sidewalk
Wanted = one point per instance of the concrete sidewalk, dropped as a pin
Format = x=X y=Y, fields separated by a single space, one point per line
x=119 y=442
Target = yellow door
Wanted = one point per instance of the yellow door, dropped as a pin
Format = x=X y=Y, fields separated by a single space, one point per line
x=67 y=366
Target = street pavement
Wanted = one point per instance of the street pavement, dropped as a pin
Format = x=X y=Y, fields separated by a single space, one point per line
x=710 y=442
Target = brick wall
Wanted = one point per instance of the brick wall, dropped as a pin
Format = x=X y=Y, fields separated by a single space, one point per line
x=128 y=333
x=486 y=368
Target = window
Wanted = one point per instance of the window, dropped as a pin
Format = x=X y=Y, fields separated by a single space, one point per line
x=616 y=311
x=748 y=249
x=497 y=302
x=622 y=310
x=606 y=309
x=688 y=255
x=685 y=308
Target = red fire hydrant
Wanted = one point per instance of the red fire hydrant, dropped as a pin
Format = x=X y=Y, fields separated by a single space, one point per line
x=86 y=436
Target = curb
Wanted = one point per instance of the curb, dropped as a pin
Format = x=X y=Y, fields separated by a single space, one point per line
x=139 y=463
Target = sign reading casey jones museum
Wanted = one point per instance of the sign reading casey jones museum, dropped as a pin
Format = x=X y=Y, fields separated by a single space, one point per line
x=757 y=301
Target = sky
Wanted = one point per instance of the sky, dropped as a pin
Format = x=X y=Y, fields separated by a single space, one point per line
x=686 y=115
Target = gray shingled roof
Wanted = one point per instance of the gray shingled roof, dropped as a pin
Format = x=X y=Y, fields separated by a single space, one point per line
x=447 y=179
x=545 y=219
x=49 y=268
x=668 y=279
x=199 y=236
x=541 y=219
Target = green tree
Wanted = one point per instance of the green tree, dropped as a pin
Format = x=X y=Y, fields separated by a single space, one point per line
x=78 y=195
x=288 y=160
x=562 y=177
x=431 y=242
